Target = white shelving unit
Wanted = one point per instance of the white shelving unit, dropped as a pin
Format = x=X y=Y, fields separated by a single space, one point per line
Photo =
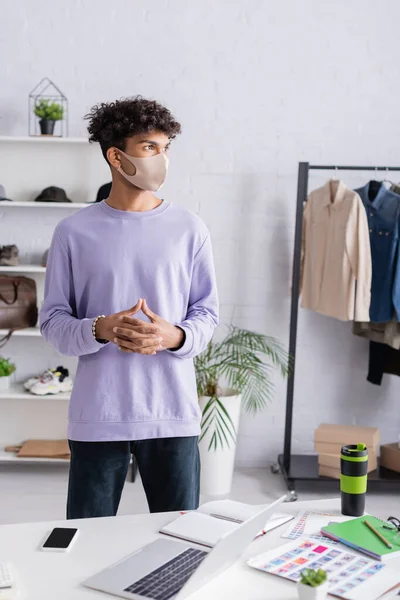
x=51 y=205
x=9 y=458
x=23 y=269
x=18 y=392
x=28 y=332
x=42 y=139
x=30 y=164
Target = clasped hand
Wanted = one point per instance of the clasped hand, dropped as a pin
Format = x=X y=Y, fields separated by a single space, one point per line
x=134 y=335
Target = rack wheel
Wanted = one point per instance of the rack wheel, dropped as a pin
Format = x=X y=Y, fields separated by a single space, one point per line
x=291 y=496
x=275 y=469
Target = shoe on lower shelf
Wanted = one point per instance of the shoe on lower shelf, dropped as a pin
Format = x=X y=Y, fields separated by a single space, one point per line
x=9 y=256
x=53 y=382
x=32 y=380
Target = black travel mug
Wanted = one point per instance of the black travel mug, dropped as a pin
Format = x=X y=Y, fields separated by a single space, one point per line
x=353 y=479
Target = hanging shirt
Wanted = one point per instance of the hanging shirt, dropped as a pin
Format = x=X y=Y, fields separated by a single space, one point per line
x=395 y=187
x=335 y=253
x=383 y=333
x=383 y=223
x=382 y=359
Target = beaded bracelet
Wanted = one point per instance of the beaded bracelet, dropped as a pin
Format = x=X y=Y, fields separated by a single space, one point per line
x=94 y=329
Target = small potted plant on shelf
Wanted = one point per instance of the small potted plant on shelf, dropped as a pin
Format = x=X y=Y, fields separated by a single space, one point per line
x=243 y=360
x=48 y=113
x=313 y=585
x=7 y=368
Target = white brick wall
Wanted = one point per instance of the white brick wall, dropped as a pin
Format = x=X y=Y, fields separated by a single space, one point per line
x=258 y=86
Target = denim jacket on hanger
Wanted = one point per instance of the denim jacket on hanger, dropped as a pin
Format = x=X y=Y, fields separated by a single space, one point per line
x=383 y=215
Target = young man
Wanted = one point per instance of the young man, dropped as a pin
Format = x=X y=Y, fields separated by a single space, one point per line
x=130 y=290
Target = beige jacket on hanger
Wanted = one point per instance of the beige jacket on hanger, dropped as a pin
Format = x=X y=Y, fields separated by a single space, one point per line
x=336 y=253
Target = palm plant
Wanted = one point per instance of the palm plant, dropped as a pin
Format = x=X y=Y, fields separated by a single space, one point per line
x=245 y=360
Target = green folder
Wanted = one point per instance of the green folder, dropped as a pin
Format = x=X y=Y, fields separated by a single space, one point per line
x=357 y=535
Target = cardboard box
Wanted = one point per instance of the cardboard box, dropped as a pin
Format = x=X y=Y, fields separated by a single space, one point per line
x=332 y=461
x=390 y=457
x=328 y=472
x=341 y=435
x=322 y=448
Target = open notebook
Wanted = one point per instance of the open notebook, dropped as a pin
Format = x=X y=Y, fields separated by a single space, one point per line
x=214 y=519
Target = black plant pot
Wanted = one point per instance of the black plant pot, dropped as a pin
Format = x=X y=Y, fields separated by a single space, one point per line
x=46 y=126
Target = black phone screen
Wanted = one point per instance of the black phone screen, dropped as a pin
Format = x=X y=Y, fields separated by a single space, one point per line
x=60 y=537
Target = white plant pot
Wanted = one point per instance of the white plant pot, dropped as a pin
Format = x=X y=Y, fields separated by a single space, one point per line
x=217 y=465
x=306 y=592
x=5 y=383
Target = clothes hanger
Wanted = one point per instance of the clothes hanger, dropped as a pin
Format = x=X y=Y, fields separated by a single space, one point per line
x=334 y=185
x=374 y=186
x=387 y=177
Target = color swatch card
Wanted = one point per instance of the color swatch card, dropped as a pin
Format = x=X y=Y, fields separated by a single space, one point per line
x=310 y=523
x=351 y=576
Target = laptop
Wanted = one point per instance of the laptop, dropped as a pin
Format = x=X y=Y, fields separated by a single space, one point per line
x=168 y=569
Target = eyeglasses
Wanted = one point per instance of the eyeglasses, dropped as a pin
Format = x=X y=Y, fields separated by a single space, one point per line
x=393 y=524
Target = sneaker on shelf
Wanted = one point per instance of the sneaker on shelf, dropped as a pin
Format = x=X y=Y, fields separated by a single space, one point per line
x=32 y=380
x=53 y=383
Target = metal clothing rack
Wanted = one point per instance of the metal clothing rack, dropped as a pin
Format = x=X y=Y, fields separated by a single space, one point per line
x=297 y=468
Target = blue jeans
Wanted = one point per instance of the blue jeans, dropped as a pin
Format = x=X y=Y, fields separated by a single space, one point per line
x=169 y=468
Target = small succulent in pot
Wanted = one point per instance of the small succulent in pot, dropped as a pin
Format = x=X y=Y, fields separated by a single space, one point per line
x=313 y=585
x=7 y=368
x=48 y=113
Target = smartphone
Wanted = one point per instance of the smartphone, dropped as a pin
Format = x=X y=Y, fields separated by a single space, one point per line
x=60 y=539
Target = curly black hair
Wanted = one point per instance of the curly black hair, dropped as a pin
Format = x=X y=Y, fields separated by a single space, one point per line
x=112 y=123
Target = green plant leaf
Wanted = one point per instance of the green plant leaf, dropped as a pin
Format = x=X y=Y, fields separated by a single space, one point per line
x=220 y=428
x=246 y=360
x=230 y=427
x=313 y=578
x=217 y=432
x=208 y=419
x=7 y=368
x=216 y=418
x=213 y=442
x=47 y=110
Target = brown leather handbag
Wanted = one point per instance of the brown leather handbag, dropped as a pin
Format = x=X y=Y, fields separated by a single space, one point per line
x=18 y=304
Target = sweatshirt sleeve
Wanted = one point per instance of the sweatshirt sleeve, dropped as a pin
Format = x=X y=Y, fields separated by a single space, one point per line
x=58 y=323
x=202 y=315
x=359 y=252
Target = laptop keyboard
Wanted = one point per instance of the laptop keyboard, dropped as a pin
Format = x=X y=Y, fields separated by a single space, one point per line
x=167 y=580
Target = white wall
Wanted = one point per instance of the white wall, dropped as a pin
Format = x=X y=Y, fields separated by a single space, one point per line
x=258 y=86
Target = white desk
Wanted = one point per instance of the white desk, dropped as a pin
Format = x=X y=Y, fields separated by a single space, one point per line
x=101 y=542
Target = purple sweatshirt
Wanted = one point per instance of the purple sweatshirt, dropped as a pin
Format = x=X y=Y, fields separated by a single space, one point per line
x=101 y=261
